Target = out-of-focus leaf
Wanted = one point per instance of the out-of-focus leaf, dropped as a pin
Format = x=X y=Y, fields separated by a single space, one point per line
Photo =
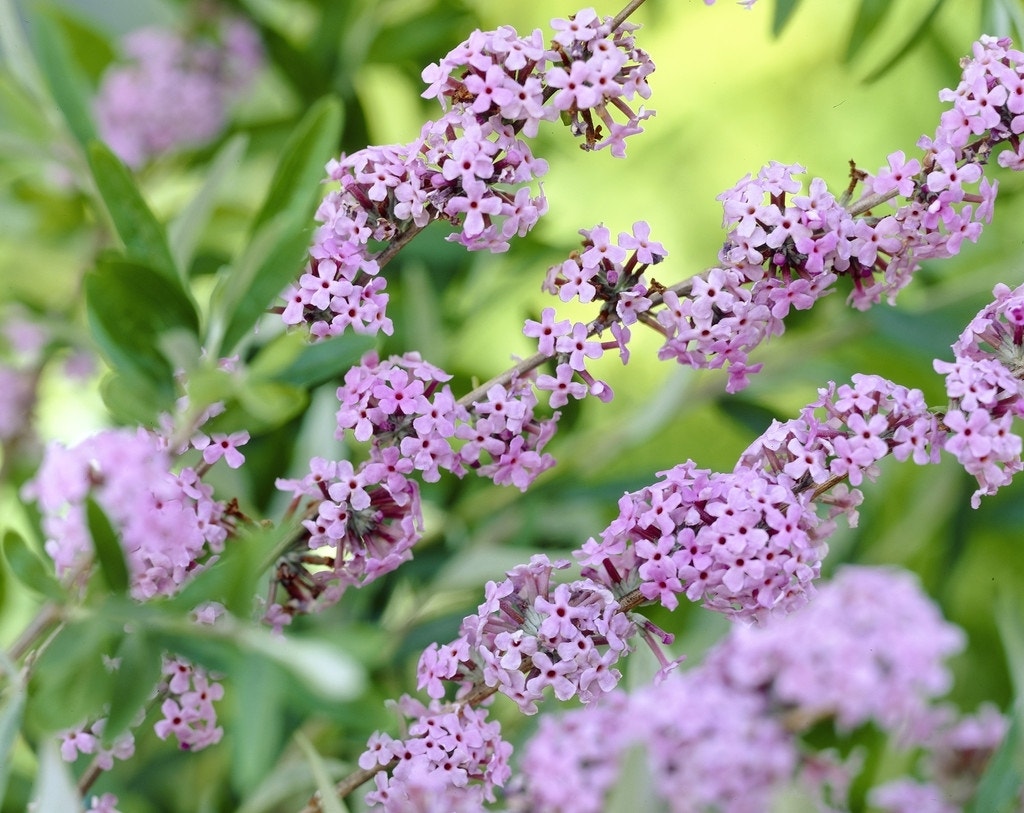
x=70 y=682
x=752 y=416
x=64 y=77
x=90 y=49
x=870 y=14
x=783 y=13
x=142 y=235
x=139 y=669
x=184 y=231
x=29 y=569
x=131 y=398
x=269 y=404
x=1002 y=18
x=999 y=788
x=55 y=790
x=260 y=688
x=130 y=307
x=1010 y=620
x=109 y=553
x=12 y=709
x=291 y=359
x=329 y=800
x=911 y=41
x=295 y=186
x=323 y=668
x=17 y=55
x=271 y=260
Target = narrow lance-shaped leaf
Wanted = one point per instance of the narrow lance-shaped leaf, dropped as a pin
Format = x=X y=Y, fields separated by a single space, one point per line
x=139 y=668
x=262 y=687
x=130 y=306
x=870 y=14
x=12 y=709
x=783 y=13
x=184 y=231
x=141 y=233
x=64 y=77
x=273 y=258
x=109 y=553
x=29 y=569
x=915 y=36
x=296 y=182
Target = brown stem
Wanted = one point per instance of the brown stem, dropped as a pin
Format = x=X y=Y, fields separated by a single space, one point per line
x=620 y=18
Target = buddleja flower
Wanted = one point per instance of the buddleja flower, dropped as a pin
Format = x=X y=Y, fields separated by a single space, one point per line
x=167 y=522
x=531 y=634
x=723 y=736
x=472 y=167
x=173 y=92
x=449 y=760
x=986 y=392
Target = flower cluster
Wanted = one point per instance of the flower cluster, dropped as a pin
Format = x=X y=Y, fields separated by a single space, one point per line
x=188 y=711
x=986 y=392
x=175 y=91
x=707 y=747
x=470 y=167
x=868 y=668
x=369 y=514
x=448 y=760
x=723 y=736
x=786 y=246
x=530 y=634
x=88 y=738
x=167 y=522
x=743 y=543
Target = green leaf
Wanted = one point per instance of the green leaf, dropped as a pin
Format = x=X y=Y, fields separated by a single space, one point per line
x=70 y=682
x=783 y=13
x=911 y=41
x=142 y=235
x=29 y=569
x=260 y=688
x=184 y=231
x=12 y=710
x=140 y=667
x=109 y=553
x=999 y=788
x=870 y=14
x=64 y=77
x=55 y=790
x=269 y=404
x=291 y=359
x=330 y=802
x=17 y=55
x=295 y=186
x=272 y=259
x=132 y=399
x=130 y=306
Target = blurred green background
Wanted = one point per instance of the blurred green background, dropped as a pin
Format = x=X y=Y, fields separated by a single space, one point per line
x=730 y=96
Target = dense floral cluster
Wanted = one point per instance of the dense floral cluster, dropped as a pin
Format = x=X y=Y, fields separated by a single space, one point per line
x=188 y=711
x=167 y=522
x=448 y=760
x=986 y=391
x=175 y=91
x=531 y=633
x=723 y=736
x=740 y=542
x=368 y=515
x=470 y=167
